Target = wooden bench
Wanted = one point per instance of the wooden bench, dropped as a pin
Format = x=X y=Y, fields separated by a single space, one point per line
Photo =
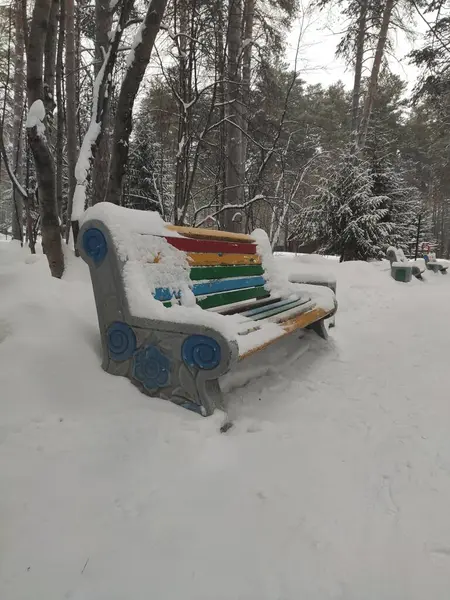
x=397 y=259
x=434 y=265
x=178 y=307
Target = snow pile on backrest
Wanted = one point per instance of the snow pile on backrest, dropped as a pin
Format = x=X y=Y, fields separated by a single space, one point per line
x=122 y=221
x=395 y=255
x=150 y=262
x=401 y=255
x=276 y=281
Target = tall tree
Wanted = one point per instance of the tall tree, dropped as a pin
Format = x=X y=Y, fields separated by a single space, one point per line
x=373 y=81
x=235 y=167
x=100 y=170
x=43 y=159
x=19 y=100
x=71 y=116
x=137 y=62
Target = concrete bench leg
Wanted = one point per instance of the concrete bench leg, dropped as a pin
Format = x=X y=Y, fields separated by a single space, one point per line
x=320 y=328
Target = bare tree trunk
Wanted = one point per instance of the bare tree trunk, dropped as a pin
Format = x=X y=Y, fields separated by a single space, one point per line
x=184 y=93
x=220 y=75
x=71 y=116
x=19 y=92
x=234 y=183
x=249 y=13
x=373 y=82
x=60 y=109
x=100 y=169
x=43 y=159
x=359 y=58
x=50 y=60
x=138 y=61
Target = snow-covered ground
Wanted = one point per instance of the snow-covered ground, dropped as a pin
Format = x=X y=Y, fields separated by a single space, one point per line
x=334 y=482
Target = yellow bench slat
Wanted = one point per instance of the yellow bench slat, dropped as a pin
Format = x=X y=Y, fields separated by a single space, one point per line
x=211 y=234
x=299 y=322
x=208 y=259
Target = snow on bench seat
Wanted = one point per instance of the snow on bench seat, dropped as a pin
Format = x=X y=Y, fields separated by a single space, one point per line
x=177 y=306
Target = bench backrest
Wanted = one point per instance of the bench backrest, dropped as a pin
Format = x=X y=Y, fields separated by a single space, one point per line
x=395 y=255
x=178 y=265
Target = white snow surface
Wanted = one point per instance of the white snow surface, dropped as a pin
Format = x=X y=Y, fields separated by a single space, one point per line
x=36 y=117
x=333 y=483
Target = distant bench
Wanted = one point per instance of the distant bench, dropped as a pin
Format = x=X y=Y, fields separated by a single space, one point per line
x=179 y=307
x=434 y=265
x=398 y=261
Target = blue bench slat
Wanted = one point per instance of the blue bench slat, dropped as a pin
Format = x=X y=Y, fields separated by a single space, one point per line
x=226 y=285
x=212 y=287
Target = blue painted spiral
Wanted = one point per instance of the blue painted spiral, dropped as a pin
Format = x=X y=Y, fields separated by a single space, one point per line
x=121 y=341
x=94 y=244
x=201 y=351
x=151 y=368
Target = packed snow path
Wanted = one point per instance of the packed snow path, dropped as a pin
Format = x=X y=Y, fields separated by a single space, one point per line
x=334 y=482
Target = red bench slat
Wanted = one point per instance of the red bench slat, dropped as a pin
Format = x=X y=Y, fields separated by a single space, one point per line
x=191 y=245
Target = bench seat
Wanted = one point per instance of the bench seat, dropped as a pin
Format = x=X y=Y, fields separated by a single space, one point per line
x=178 y=307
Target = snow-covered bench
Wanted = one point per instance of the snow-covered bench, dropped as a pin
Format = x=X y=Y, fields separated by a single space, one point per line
x=397 y=258
x=435 y=266
x=179 y=307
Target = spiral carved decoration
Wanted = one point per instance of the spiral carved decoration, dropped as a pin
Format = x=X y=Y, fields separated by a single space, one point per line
x=94 y=244
x=121 y=341
x=201 y=351
x=151 y=368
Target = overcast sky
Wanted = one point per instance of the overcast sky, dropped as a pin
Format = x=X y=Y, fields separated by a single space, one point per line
x=317 y=62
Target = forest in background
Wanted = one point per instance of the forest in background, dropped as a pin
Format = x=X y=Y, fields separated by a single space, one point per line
x=189 y=108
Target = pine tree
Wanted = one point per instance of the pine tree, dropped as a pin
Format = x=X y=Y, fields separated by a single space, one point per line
x=148 y=182
x=344 y=216
x=402 y=201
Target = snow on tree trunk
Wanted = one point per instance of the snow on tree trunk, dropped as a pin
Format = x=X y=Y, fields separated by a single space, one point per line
x=101 y=95
x=137 y=62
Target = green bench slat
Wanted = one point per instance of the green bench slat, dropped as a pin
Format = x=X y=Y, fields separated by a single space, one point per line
x=238 y=308
x=225 y=298
x=204 y=273
x=230 y=297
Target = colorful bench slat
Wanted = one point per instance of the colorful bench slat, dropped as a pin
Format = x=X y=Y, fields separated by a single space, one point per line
x=260 y=309
x=191 y=245
x=213 y=287
x=239 y=307
x=202 y=273
x=229 y=297
x=300 y=322
x=211 y=234
x=226 y=285
x=277 y=309
x=209 y=259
